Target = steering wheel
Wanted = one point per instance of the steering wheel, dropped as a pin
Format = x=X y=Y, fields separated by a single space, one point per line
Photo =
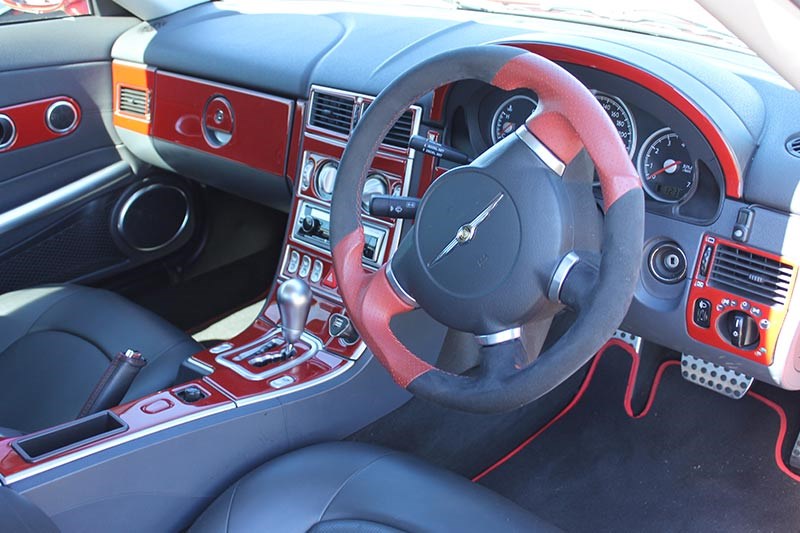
x=492 y=247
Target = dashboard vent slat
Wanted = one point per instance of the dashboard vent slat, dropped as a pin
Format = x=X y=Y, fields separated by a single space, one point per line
x=793 y=145
x=332 y=112
x=401 y=132
x=751 y=275
x=134 y=101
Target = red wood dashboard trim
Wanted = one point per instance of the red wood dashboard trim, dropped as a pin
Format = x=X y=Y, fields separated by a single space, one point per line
x=30 y=122
x=261 y=123
x=723 y=301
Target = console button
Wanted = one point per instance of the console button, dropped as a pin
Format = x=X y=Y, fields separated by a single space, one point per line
x=283 y=381
x=294 y=262
x=305 y=266
x=316 y=271
x=191 y=394
x=702 y=313
x=340 y=327
x=157 y=406
x=310 y=225
x=330 y=279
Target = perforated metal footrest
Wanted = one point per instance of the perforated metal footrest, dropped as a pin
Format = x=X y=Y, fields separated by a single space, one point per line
x=715 y=377
x=629 y=338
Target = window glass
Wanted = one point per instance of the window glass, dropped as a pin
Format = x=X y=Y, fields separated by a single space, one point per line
x=14 y=11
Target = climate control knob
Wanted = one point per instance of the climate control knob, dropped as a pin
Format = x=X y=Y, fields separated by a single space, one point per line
x=741 y=329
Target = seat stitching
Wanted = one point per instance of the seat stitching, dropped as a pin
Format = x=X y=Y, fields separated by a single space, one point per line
x=230 y=508
x=349 y=478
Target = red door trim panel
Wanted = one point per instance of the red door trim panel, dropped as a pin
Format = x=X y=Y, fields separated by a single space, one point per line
x=30 y=122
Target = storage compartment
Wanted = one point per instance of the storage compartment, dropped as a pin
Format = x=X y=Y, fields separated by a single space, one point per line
x=60 y=439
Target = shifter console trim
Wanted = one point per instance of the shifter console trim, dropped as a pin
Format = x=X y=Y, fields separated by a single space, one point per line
x=237 y=359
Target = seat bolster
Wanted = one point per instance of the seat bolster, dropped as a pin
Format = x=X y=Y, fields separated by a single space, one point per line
x=341 y=482
x=21 y=516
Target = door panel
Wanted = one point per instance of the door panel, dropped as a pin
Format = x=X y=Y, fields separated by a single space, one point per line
x=61 y=196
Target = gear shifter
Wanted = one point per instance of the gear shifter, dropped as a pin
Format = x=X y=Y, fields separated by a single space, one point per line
x=294 y=302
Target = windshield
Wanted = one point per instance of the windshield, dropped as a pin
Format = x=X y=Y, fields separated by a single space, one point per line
x=678 y=19
x=681 y=19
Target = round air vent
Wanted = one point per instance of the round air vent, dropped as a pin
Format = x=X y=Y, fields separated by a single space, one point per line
x=154 y=217
x=793 y=145
x=61 y=117
x=8 y=132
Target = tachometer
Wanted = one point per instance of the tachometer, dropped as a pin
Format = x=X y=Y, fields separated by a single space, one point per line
x=511 y=114
x=666 y=167
x=621 y=118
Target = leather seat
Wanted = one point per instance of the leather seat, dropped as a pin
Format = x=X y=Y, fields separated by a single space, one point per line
x=349 y=487
x=56 y=342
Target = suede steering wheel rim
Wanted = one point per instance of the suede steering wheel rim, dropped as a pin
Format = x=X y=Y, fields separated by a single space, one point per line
x=513 y=258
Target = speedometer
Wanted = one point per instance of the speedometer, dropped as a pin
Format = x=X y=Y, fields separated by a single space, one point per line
x=510 y=115
x=621 y=117
x=666 y=167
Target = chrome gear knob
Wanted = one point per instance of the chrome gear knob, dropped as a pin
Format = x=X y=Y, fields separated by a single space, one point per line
x=294 y=302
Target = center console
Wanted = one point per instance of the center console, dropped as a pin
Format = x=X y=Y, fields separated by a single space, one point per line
x=301 y=338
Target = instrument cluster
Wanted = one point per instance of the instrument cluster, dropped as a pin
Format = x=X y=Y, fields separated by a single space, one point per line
x=677 y=173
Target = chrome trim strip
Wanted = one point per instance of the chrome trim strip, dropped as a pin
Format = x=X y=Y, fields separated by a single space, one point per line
x=64 y=197
x=398 y=289
x=500 y=337
x=540 y=150
x=49 y=113
x=200 y=365
x=60 y=461
x=123 y=212
x=560 y=274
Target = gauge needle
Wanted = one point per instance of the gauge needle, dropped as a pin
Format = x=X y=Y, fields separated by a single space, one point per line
x=508 y=127
x=657 y=172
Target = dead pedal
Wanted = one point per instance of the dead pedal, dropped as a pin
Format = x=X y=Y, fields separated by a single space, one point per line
x=715 y=377
x=634 y=341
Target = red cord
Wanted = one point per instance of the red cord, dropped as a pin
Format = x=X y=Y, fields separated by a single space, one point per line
x=650 y=400
x=781 y=433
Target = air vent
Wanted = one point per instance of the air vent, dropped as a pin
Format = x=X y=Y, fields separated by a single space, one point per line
x=332 y=112
x=750 y=275
x=401 y=132
x=793 y=145
x=134 y=101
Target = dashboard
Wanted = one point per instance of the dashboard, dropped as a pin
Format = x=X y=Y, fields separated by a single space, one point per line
x=706 y=129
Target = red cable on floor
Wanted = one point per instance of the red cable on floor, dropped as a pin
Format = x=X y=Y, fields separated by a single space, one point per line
x=629 y=408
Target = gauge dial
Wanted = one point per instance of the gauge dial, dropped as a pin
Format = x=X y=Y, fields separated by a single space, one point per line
x=621 y=117
x=510 y=115
x=326 y=180
x=666 y=167
x=375 y=184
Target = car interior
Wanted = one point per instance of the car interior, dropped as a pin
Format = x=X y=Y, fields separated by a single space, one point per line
x=334 y=266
